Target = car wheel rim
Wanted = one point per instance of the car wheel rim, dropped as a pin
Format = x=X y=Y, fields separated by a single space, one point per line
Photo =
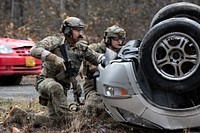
x=175 y=56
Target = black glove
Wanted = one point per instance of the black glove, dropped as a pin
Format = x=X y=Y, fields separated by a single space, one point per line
x=103 y=61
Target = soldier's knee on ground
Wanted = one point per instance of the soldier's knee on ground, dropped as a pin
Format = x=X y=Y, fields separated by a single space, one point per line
x=93 y=104
x=93 y=99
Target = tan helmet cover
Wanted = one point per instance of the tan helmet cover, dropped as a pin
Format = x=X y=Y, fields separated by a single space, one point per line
x=71 y=22
x=74 y=22
x=115 y=31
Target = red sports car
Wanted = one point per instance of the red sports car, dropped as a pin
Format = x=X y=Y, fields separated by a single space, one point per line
x=15 y=61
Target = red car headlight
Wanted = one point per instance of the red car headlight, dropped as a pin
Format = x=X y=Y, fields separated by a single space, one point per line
x=5 y=49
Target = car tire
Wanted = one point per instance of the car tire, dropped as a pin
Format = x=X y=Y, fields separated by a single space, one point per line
x=10 y=80
x=166 y=64
x=181 y=9
x=17 y=80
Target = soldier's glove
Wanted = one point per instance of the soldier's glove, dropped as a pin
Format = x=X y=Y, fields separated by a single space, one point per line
x=83 y=44
x=103 y=61
x=58 y=61
x=73 y=106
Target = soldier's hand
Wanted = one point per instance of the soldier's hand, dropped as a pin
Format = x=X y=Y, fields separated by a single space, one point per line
x=103 y=61
x=58 y=61
x=83 y=44
x=93 y=69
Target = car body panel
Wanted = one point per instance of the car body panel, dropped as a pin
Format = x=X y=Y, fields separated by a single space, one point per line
x=134 y=107
x=15 y=43
x=138 y=105
x=19 y=62
x=155 y=82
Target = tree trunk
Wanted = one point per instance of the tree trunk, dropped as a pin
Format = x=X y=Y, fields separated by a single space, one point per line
x=62 y=5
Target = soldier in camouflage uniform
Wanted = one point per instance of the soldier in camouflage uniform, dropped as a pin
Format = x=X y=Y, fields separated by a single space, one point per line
x=51 y=87
x=114 y=37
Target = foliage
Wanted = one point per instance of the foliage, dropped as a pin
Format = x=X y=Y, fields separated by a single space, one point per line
x=37 y=19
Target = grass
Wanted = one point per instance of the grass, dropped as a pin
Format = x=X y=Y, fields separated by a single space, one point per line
x=30 y=105
x=78 y=123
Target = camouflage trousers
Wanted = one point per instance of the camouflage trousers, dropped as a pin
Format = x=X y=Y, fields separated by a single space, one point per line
x=93 y=100
x=88 y=86
x=55 y=94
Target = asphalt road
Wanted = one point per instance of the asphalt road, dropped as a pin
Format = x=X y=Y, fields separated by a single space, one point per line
x=21 y=92
x=24 y=91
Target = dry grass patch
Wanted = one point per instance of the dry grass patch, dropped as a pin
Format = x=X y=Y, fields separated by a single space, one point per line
x=78 y=122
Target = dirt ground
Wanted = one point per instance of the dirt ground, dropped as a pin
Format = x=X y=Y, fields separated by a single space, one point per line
x=96 y=121
x=25 y=97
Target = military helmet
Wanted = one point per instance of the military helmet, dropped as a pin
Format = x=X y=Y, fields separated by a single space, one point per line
x=69 y=23
x=114 y=31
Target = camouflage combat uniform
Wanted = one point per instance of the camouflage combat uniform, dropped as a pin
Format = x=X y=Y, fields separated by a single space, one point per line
x=48 y=85
x=88 y=86
x=93 y=103
x=57 y=75
x=114 y=37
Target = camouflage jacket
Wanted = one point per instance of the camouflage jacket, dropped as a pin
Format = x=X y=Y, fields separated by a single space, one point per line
x=75 y=53
x=87 y=66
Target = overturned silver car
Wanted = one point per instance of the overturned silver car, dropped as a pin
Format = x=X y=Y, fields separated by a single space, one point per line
x=155 y=82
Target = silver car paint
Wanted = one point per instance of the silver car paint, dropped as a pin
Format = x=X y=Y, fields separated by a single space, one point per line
x=136 y=108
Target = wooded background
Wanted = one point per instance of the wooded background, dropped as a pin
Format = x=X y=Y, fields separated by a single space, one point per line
x=35 y=19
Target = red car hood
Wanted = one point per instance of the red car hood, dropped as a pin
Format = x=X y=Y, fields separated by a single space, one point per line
x=14 y=43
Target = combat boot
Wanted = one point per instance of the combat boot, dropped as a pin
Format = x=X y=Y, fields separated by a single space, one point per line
x=93 y=104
